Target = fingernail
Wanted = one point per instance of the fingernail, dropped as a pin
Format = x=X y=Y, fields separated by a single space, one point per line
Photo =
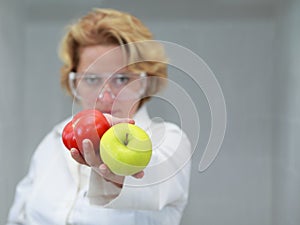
x=85 y=142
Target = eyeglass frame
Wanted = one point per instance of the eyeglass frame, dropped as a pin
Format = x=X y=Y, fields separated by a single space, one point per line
x=72 y=78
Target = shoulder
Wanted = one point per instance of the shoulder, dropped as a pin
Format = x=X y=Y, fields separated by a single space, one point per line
x=58 y=128
x=168 y=135
x=52 y=142
x=169 y=129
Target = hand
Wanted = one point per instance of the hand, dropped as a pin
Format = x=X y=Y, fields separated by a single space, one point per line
x=91 y=157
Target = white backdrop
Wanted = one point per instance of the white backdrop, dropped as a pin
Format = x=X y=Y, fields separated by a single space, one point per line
x=254 y=179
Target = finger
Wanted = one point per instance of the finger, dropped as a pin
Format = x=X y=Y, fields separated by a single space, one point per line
x=115 y=120
x=89 y=153
x=139 y=175
x=77 y=156
x=110 y=176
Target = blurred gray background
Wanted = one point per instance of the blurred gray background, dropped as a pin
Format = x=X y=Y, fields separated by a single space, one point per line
x=253 y=48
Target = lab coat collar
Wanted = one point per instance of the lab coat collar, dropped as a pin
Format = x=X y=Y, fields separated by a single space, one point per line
x=142 y=118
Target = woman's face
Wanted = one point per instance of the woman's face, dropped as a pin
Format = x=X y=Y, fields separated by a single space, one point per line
x=97 y=64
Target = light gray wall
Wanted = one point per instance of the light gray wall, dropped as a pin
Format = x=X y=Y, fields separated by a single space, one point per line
x=235 y=40
x=286 y=161
x=12 y=53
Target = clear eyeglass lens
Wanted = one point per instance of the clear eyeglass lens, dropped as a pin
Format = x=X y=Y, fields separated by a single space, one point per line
x=123 y=86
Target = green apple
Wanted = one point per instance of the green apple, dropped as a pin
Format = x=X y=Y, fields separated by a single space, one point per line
x=126 y=149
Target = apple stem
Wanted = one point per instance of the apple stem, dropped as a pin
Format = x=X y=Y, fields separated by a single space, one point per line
x=126 y=139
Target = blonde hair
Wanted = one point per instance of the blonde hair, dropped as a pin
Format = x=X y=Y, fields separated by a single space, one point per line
x=112 y=27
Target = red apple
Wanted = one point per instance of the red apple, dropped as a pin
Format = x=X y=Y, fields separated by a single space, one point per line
x=68 y=136
x=88 y=124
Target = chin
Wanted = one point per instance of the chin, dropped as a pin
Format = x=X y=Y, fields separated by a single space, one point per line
x=120 y=114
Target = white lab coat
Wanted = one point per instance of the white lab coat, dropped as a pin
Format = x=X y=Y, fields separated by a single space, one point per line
x=57 y=190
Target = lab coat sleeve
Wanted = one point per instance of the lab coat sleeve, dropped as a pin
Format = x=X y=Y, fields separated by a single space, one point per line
x=25 y=187
x=166 y=181
x=17 y=211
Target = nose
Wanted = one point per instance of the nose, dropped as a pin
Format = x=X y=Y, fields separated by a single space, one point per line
x=106 y=94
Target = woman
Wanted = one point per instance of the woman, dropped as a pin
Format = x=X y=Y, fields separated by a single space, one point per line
x=110 y=64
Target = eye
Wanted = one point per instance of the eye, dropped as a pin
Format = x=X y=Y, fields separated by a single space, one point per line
x=92 y=79
x=120 y=79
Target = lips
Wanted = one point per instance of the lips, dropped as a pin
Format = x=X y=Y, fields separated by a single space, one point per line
x=106 y=111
